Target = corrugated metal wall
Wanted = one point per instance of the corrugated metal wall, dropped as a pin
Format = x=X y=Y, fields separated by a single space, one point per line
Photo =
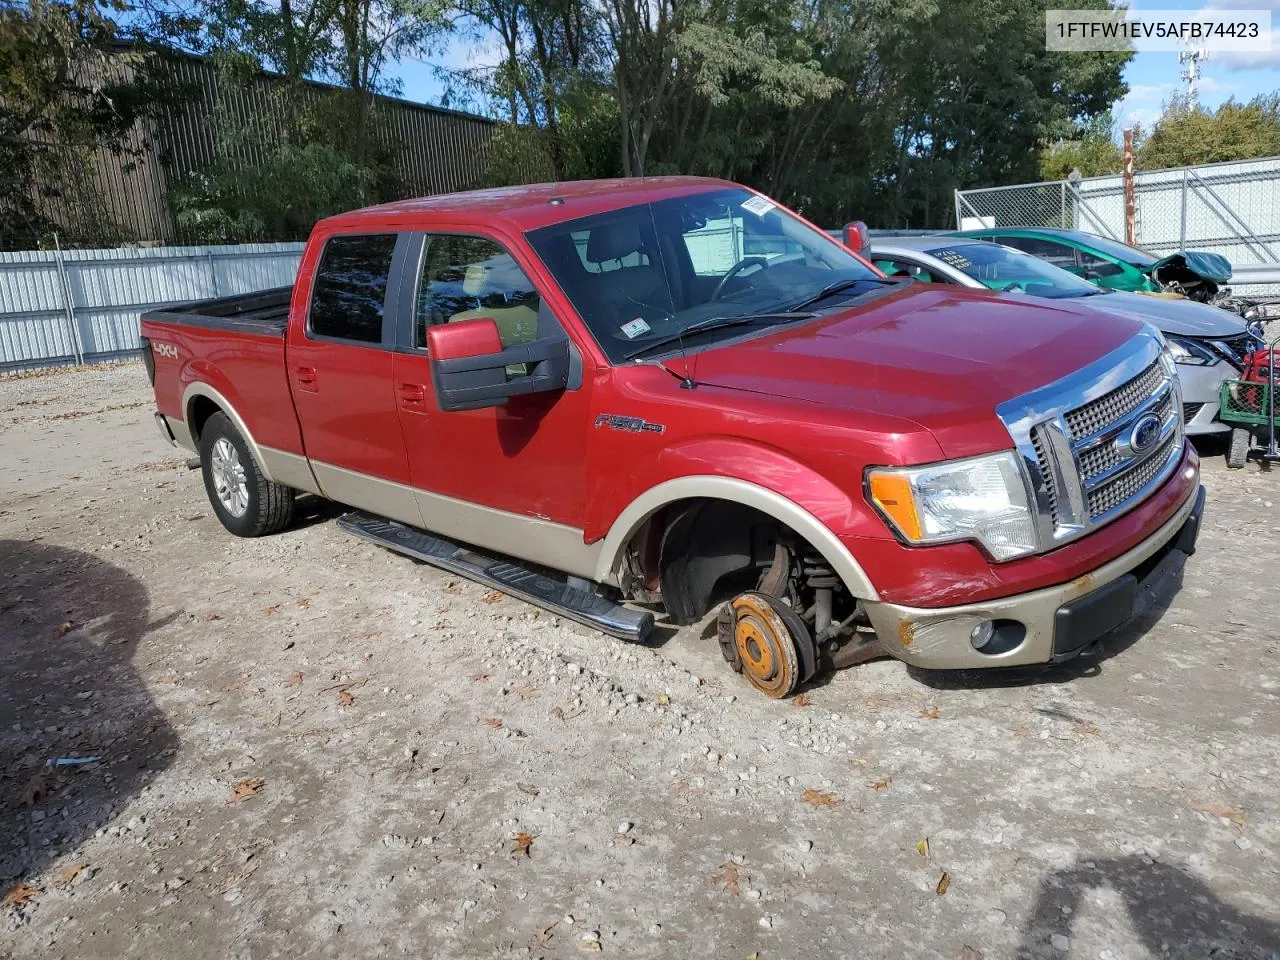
x=85 y=304
x=124 y=196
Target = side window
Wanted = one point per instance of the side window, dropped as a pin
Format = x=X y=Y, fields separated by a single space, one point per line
x=903 y=268
x=466 y=277
x=1059 y=254
x=350 y=291
x=1096 y=268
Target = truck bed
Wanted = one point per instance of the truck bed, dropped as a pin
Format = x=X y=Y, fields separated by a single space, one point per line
x=264 y=312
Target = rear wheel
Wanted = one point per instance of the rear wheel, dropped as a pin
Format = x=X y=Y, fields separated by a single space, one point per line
x=1238 y=452
x=246 y=502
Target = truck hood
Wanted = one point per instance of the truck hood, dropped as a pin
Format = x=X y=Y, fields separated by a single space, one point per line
x=944 y=357
x=1182 y=317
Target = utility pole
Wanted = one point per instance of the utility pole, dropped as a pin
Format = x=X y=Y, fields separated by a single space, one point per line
x=1130 y=203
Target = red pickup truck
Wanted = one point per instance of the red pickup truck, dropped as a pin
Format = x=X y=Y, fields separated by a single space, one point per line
x=674 y=393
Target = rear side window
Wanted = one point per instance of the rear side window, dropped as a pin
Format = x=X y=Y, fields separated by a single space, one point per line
x=1059 y=254
x=350 y=291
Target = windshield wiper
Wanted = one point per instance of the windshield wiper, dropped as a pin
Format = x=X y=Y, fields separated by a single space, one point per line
x=839 y=286
x=716 y=323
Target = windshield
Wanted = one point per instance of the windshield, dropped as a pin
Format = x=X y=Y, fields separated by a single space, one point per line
x=651 y=271
x=1000 y=268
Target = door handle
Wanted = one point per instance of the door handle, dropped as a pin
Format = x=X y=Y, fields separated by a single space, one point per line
x=413 y=395
x=306 y=377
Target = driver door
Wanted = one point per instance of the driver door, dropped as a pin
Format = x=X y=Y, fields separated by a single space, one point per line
x=509 y=478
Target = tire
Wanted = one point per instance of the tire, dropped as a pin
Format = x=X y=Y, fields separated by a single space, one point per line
x=253 y=507
x=1238 y=452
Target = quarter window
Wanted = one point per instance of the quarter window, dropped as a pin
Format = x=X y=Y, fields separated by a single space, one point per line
x=468 y=277
x=350 y=291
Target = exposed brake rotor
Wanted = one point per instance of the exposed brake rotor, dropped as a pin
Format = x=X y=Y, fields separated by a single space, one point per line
x=767 y=642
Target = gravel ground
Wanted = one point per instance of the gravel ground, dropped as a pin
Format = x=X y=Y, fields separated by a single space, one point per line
x=312 y=747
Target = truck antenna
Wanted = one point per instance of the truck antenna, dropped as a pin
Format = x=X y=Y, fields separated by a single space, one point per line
x=686 y=382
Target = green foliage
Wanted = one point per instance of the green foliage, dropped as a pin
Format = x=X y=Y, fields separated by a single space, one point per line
x=1188 y=134
x=1092 y=150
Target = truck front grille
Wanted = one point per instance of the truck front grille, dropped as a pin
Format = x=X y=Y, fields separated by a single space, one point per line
x=1089 y=447
x=1117 y=404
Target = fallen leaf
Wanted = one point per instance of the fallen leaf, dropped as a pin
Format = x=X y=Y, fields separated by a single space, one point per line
x=930 y=712
x=882 y=784
x=970 y=953
x=922 y=847
x=295 y=678
x=66 y=628
x=19 y=895
x=210 y=617
x=452 y=587
x=206 y=703
x=543 y=934
x=346 y=698
x=68 y=876
x=526 y=693
x=172 y=678
x=801 y=700
x=304 y=602
x=37 y=789
x=562 y=714
x=590 y=946
x=494 y=722
x=370 y=636
x=1089 y=728
x=663 y=699
x=523 y=843
x=944 y=882
x=730 y=878
x=479 y=678
x=819 y=798
x=493 y=596
x=1220 y=810
x=528 y=788
x=245 y=789
x=271 y=609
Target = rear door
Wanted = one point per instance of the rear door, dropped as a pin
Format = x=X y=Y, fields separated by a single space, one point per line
x=341 y=371
x=511 y=478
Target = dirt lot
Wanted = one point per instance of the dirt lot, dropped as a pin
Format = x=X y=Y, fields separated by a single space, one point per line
x=312 y=747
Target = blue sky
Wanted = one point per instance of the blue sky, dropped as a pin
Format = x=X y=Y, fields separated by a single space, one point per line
x=1152 y=77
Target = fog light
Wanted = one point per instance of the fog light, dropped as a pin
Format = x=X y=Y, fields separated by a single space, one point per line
x=981 y=635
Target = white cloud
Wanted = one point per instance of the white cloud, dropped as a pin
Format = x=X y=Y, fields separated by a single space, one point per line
x=1250 y=59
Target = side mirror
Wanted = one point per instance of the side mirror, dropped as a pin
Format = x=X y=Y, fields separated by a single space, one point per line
x=854 y=236
x=469 y=365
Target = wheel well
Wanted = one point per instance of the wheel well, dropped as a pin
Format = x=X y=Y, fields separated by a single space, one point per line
x=198 y=414
x=693 y=553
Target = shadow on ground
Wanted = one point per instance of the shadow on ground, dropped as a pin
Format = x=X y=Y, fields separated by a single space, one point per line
x=1173 y=913
x=69 y=628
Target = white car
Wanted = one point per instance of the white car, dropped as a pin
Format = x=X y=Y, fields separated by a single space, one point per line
x=1208 y=342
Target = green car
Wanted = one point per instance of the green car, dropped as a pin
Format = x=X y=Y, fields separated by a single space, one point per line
x=1113 y=265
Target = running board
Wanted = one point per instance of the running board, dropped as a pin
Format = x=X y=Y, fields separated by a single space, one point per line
x=579 y=603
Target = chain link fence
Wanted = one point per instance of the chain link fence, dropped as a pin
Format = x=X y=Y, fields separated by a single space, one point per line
x=1227 y=208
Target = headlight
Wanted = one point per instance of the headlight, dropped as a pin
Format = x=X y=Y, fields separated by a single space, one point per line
x=982 y=499
x=1188 y=353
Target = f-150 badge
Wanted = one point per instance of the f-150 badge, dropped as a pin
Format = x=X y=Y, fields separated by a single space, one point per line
x=616 y=421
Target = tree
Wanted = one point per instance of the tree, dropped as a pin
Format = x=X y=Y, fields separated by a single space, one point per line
x=74 y=81
x=1092 y=150
x=1188 y=134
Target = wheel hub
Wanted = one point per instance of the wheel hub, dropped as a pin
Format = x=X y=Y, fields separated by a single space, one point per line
x=764 y=645
x=228 y=477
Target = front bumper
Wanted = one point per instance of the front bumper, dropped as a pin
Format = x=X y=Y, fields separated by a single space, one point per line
x=1200 y=396
x=1043 y=626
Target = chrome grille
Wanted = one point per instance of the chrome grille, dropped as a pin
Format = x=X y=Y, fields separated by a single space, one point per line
x=1130 y=483
x=1084 y=448
x=1107 y=409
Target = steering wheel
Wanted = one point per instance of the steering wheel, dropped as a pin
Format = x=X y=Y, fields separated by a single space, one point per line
x=1015 y=287
x=736 y=269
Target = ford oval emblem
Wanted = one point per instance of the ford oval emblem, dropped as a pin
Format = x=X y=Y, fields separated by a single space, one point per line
x=1144 y=433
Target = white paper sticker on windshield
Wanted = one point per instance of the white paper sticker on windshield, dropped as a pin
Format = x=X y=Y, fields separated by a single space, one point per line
x=635 y=328
x=758 y=205
x=957 y=260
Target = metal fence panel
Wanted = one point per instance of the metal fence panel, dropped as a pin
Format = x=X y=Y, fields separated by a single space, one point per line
x=58 y=307
x=1227 y=208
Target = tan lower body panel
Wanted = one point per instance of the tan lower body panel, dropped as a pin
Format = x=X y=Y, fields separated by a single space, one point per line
x=289 y=469
x=938 y=638
x=526 y=538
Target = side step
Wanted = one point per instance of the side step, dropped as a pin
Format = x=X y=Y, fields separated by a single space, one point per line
x=579 y=603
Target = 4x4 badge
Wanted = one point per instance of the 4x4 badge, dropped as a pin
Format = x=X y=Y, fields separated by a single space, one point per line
x=616 y=421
